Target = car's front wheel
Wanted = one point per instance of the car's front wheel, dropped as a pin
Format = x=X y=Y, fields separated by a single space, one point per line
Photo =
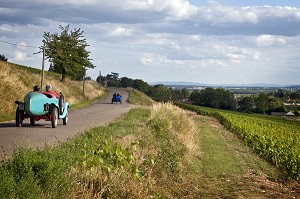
x=65 y=119
x=54 y=117
x=61 y=102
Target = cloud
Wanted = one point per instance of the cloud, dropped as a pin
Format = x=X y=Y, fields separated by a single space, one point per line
x=156 y=59
x=20 y=56
x=211 y=39
x=121 y=31
x=269 y=40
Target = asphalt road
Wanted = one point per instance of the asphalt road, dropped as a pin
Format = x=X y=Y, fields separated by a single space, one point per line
x=41 y=134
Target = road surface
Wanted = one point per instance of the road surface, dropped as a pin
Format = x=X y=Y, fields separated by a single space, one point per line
x=41 y=134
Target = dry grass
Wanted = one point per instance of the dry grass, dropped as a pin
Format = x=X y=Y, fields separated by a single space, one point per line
x=16 y=82
x=180 y=124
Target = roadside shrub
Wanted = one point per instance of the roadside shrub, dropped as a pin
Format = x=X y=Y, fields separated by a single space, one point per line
x=33 y=174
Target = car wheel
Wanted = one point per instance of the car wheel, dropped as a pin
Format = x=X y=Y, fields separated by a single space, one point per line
x=65 y=119
x=54 y=117
x=32 y=121
x=61 y=104
x=19 y=117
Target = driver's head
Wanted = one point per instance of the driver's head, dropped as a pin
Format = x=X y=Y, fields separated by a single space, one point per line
x=48 y=87
x=36 y=88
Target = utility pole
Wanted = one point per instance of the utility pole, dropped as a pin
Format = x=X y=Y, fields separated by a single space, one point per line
x=99 y=79
x=43 y=66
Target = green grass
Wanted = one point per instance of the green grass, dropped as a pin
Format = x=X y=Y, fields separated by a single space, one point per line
x=139 y=98
x=274 y=139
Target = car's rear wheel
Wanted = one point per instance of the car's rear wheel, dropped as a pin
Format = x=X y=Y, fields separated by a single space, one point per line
x=32 y=121
x=19 y=117
x=54 y=117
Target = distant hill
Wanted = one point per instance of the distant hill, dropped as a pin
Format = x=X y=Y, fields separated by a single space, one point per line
x=262 y=85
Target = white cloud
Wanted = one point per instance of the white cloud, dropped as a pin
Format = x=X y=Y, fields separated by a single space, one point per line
x=217 y=13
x=8 y=28
x=121 y=31
x=153 y=59
x=269 y=40
x=20 y=56
x=173 y=34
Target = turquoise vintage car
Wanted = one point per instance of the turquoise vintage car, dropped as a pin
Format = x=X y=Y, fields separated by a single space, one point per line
x=42 y=105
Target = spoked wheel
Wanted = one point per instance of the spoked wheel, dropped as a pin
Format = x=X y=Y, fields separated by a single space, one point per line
x=19 y=118
x=32 y=121
x=61 y=104
x=65 y=119
x=54 y=117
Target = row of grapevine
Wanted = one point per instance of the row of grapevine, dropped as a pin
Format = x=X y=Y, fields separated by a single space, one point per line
x=275 y=139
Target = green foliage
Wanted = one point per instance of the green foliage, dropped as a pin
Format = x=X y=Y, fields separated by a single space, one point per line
x=141 y=85
x=246 y=104
x=168 y=153
x=262 y=103
x=108 y=157
x=288 y=96
x=275 y=139
x=214 y=98
x=113 y=80
x=67 y=52
x=32 y=174
x=126 y=82
x=160 y=91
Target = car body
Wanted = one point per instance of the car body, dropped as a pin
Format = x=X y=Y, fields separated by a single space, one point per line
x=42 y=105
x=116 y=98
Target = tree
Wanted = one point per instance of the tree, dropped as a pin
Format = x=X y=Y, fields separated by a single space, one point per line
x=141 y=85
x=67 y=52
x=262 y=103
x=214 y=98
x=275 y=105
x=161 y=91
x=246 y=104
x=185 y=93
x=126 y=82
x=113 y=79
x=3 y=58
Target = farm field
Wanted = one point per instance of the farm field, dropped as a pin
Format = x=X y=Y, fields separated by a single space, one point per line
x=277 y=140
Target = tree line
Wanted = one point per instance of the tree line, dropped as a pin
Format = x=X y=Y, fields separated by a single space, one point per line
x=158 y=91
x=264 y=103
x=219 y=98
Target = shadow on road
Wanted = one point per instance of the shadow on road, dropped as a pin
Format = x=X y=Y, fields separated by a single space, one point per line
x=7 y=125
x=27 y=125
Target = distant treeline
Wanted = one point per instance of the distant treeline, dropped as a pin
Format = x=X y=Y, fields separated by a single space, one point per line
x=219 y=98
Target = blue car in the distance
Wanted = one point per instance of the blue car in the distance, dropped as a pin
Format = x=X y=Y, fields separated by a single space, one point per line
x=42 y=105
x=116 y=98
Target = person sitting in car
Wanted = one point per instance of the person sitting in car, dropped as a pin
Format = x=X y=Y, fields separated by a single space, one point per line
x=36 y=88
x=49 y=90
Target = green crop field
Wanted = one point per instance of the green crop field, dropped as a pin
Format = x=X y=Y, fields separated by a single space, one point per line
x=275 y=139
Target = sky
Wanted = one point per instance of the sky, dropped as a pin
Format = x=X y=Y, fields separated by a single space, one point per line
x=213 y=42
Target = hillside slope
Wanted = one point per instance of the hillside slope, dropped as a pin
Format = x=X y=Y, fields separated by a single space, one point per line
x=17 y=80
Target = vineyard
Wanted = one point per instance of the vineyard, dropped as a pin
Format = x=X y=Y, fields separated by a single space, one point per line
x=275 y=139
